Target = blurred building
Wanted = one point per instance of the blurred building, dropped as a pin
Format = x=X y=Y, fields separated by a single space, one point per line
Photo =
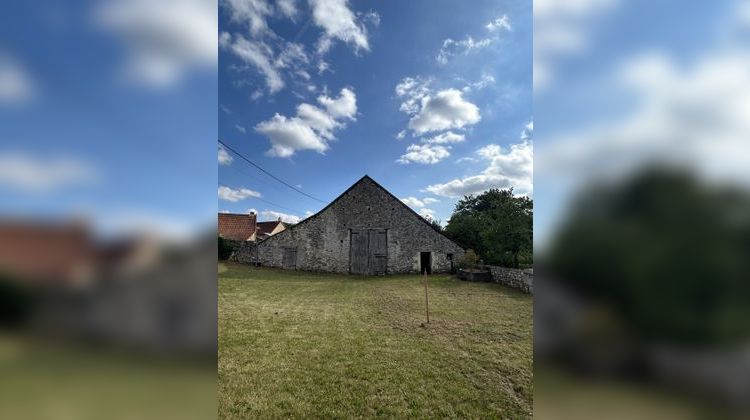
x=45 y=252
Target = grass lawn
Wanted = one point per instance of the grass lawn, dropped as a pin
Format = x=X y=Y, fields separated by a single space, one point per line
x=51 y=380
x=298 y=344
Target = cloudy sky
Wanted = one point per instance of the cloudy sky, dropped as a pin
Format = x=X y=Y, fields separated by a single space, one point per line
x=322 y=92
x=108 y=111
x=610 y=99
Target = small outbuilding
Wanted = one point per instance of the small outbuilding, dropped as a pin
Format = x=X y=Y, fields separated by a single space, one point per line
x=365 y=230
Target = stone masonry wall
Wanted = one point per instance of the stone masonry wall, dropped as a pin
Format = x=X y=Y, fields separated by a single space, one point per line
x=516 y=278
x=246 y=253
x=322 y=242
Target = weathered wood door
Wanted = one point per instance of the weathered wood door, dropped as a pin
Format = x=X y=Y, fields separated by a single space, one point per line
x=368 y=253
x=378 y=251
x=289 y=258
x=358 y=252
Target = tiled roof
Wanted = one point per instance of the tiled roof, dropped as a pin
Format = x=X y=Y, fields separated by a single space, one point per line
x=265 y=228
x=48 y=251
x=239 y=227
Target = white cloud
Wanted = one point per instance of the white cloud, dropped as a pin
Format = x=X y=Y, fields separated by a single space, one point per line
x=312 y=128
x=415 y=202
x=445 y=110
x=452 y=47
x=251 y=12
x=501 y=23
x=345 y=106
x=16 y=85
x=293 y=55
x=235 y=195
x=338 y=23
x=445 y=138
x=288 y=8
x=412 y=202
x=271 y=215
x=240 y=128
x=323 y=66
x=259 y=55
x=249 y=211
x=424 y=153
x=512 y=168
x=413 y=90
x=694 y=114
x=29 y=173
x=427 y=213
x=401 y=134
x=528 y=131
x=224 y=157
x=433 y=113
x=165 y=39
x=483 y=82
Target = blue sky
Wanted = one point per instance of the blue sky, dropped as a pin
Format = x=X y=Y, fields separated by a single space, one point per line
x=464 y=103
x=108 y=111
x=620 y=84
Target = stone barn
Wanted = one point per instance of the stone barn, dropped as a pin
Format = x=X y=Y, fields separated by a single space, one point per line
x=366 y=230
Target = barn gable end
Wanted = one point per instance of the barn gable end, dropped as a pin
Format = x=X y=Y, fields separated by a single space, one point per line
x=366 y=230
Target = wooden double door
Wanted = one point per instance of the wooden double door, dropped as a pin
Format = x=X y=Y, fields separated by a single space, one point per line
x=368 y=251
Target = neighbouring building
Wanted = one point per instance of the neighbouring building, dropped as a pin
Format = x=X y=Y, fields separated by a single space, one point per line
x=366 y=230
x=266 y=229
x=47 y=252
x=238 y=227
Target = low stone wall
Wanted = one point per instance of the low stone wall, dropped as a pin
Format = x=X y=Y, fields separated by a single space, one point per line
x=246 y=253
x=521 y=279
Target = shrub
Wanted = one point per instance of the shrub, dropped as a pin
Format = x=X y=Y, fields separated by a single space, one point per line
x=469 y=259
x=226 y=248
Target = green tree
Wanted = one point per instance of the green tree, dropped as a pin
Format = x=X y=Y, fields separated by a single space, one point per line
x=497 y=224
x=668 y=253
x=435 y=223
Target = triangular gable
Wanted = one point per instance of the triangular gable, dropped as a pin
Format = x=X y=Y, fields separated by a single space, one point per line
x=367 y=177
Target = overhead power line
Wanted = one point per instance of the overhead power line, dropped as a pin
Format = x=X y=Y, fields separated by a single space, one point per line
x=268 y=173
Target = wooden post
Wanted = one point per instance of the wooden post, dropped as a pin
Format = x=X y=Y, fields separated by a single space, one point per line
x=426 y=299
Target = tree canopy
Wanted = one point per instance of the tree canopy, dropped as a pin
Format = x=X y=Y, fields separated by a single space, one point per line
x=497 y=225
x=667 y=252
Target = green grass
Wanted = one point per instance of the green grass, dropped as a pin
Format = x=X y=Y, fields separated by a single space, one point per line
x=295 y=344
x=46 y=379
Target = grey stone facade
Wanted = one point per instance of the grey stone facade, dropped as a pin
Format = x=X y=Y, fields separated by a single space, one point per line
x=322 y=242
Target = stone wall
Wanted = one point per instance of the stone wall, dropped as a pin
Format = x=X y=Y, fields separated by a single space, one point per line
x=514 y=277
x=246 y=253
x=322 y=241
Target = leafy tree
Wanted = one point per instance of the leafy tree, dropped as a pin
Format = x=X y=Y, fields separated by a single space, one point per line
x=497 y=224
x=435 y=223
x=666 y=252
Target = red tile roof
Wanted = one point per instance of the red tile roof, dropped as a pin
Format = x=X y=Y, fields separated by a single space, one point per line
x=45 y=251
x=265 y=228
x=239 y=227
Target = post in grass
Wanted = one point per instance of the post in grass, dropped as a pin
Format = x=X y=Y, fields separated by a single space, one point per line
x=426 y=299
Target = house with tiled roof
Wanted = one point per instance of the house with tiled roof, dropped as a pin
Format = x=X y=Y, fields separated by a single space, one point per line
x=238 y=227
x=266 y=229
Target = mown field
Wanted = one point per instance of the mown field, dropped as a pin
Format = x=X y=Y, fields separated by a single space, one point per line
x=294 y=344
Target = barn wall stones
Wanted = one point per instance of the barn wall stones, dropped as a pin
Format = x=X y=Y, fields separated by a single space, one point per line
x=322 y=241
